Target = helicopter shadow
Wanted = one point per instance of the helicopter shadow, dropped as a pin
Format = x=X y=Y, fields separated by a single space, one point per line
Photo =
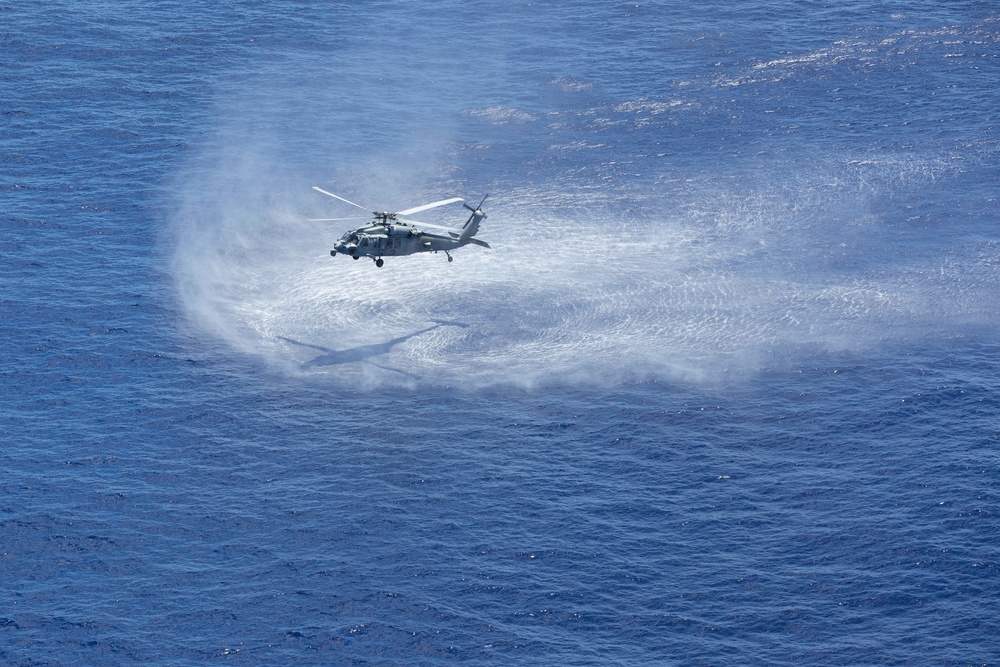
x=363 y=353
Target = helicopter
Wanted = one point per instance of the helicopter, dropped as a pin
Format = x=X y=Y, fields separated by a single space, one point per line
x=391 y=234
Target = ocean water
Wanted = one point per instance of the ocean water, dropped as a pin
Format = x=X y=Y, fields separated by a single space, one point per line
x=726 y=389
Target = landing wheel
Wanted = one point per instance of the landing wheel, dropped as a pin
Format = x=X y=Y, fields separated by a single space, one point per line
x=379 y=262
x=450 y=258
x=333 y=253
x=355 y=257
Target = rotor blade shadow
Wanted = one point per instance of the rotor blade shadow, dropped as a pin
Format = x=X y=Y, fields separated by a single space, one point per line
x=363 y=353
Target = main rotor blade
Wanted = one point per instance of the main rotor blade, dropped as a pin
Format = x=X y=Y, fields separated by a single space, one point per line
x=333 y=219
x=363 y=208
x=427 y=224
x=425 y=207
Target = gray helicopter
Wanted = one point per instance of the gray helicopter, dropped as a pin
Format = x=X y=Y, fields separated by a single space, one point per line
x=390 y=234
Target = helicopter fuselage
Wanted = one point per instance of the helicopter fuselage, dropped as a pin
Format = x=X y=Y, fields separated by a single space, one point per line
x=386 y=239
x=389 y=240
x=392 y=235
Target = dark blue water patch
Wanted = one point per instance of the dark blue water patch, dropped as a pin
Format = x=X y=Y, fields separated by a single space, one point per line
x=671 y=525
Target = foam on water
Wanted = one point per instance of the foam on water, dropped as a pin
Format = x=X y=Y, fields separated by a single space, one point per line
x=697 y=283
x=632 y=239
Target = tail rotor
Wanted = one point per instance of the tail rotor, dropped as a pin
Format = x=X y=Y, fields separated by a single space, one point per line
x=477 y=209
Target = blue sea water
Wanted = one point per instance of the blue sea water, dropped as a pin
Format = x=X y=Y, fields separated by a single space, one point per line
x=725 y=390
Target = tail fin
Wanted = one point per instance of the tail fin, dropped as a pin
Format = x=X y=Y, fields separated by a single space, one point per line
x=471 y=226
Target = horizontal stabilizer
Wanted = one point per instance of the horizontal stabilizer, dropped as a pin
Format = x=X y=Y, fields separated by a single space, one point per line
x=478 y=242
